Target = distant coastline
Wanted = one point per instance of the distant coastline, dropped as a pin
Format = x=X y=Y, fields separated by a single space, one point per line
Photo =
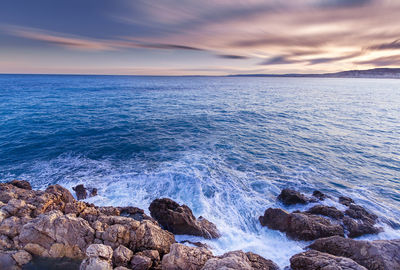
x=388 y=73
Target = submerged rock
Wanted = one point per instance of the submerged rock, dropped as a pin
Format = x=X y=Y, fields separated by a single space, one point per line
x=374 y=255
x=83 y=193
x=290 y=197
x=319 y=195
x=315 y=260
x=179 y=219
x=260 y=263
x=345 y=200
x=301 y=226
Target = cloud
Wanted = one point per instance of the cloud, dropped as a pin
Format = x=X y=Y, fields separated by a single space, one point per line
x=278 y=60
x=393 y=60
x=324 y=60
x=231 y=56
x=344 y=3
x=387 y=46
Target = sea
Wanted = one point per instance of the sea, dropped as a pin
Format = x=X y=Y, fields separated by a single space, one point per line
x=224 y=146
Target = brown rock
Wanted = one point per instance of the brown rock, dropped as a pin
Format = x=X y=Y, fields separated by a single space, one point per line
x=139 y=262
x=95 y=264
x=234 y=260
x=315 y=260
x=319 y=195
x=151 y=236
x=359 y=212
x=290 y=197
x=21 y=184
x=184 y=257
x=22 y=257
x=301 y=226
x=122 y=255
x=260 y=263
x=328 y=211
x=374 y=255
x=358 y=228
x=179 y=219
x=345 y=200
x=61 y=193
x=80 y=192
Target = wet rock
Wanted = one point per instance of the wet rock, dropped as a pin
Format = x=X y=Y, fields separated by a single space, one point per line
x=80 y=192
x=359 y=212
x=140 y=262
x=260 y=263
x=122 y=256
x=328 y=211
x=235 y=260
x=179 y=219
x=197 y=244
x=135 y=213
x=290 y=197
x=7 y=261
x=315 y=260
x=184 y=257
x=345 y=200
x=21 y=184
x=374 y=255
x=358 y=228
x=301 y=226
x=319 y=195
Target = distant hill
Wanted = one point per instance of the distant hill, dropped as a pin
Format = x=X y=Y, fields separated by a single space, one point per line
x=370 y=73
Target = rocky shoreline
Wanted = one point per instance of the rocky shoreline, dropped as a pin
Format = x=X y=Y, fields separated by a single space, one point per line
x=52 y=226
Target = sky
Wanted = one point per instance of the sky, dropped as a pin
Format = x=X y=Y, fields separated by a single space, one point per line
x=208 y=37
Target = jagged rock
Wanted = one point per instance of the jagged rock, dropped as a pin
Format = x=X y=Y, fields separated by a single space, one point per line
x=358 y=228
x=151 y=236
x=374 y=255
x=315 y=260
x=197 y=244
x=345 y=200
x=122 y=255
x=359 y=212
x=154 y=255
x=290 y=197
x=22 y=257
x=21 y=184
x=98 y=258
x=260 y=263
x=184 y=257
x=80 y=192
x=301 y=226
x=61 y=192
x=328 y=211
x=140 y=262
x=235 y=260
x=10 y=226
x=179 y=219
x=319 y=195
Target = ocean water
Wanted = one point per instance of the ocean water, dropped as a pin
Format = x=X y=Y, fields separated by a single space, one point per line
x=225 y=146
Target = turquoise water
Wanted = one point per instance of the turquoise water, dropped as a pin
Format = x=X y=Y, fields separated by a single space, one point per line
x=224 y=146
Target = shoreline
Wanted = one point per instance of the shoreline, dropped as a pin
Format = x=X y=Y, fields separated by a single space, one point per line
x=49 y=225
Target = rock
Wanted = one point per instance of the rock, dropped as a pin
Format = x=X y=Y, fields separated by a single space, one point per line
x=197 y=244
x=22 y=257
x=290 y=197
x=154 y=255
x=140 y=262
x=80 y=192
x=61 y=193
x=21 y=184
x=359 y=212
x=184 y=257
x=95 y=264
x=315 y=260
x=374 y=255
x=10 y=226
x=328 y=211
x=93 y=192
x=260 y=263
x=319 y=195
x=121 y=268
x=98 y=258
x=301 y=226
x=358 y=228
x=135 y=213
x=179 y=219
x=345 y=200
x=122 y=255
x=99 y=251
x=151 y=236
x=235 y=260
